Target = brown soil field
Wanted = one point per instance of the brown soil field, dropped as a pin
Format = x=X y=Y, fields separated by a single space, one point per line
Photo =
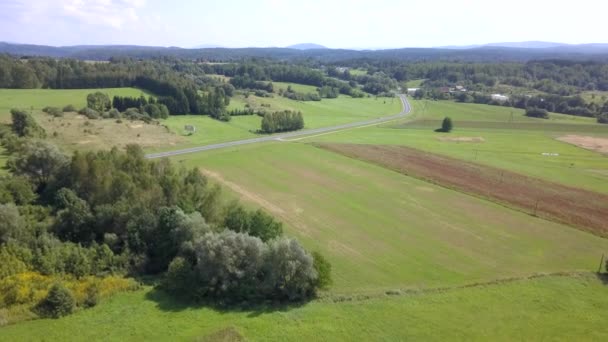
x=583 y=209
x=589 y=143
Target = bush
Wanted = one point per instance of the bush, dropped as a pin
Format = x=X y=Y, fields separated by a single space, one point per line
x=602 y=118
x=69 y=108
x=89 y=113
x=54 y=111
x=24 y=125
x=323 y=268
x=114 y=114
x=237 y=267
x=58 y=303
x=535 y=112
x=446 y=126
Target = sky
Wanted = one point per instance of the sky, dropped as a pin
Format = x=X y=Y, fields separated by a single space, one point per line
x=332 y=23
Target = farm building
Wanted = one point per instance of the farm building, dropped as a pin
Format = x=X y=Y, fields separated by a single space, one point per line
x=412 y=91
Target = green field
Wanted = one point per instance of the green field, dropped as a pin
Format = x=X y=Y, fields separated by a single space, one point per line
x=298 y=88
x=40 y=98
x=328 y=112
x=429 y=110
x=357 y=72
x=383 y=230
x=415 y=83
x=516 y=146
x=548 y=308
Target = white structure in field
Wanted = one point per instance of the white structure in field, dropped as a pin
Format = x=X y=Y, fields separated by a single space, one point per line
x=412 y=91
x=500 y=98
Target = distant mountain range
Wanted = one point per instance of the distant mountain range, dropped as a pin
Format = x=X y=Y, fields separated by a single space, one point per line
x=307 y=46
x=522 y=51
x=527 y=45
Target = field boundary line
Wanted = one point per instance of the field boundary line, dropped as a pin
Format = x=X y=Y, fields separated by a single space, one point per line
x=338 y=298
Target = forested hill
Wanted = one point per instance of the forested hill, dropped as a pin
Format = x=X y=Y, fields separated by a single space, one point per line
x=596 y=52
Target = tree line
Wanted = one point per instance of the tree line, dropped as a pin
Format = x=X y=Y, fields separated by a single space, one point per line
x=282 y=121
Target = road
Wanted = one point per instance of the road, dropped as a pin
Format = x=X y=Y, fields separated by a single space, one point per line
x=406 y=110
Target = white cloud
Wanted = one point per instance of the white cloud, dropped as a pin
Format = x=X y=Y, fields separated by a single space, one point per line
x=111 y=13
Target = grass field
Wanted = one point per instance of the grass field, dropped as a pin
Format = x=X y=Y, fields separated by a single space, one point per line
x=383 y=230
x=298 y=88
x=597 y=96
x=71 y=131
x=547 y=308
x=415 y=83
x=39 y=98
x=516 y=146
x=328 y=112
x=579 y=208
x=437 y=110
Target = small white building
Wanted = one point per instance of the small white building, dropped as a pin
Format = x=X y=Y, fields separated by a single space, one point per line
x=500 y=97
x=412 y=91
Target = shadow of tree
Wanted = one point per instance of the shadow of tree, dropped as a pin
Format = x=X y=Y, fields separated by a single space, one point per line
x=603 y=277
x=170 y=303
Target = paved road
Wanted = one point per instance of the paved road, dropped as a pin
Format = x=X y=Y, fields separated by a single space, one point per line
x=406 y=110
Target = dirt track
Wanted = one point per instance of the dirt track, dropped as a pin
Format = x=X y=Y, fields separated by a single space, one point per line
x=583 y=209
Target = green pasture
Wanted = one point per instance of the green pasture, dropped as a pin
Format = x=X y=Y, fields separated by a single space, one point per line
x=383 y=230
x=39 y=98
x=549 y=308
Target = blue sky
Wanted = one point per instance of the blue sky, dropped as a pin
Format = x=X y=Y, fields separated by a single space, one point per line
x=333 y=23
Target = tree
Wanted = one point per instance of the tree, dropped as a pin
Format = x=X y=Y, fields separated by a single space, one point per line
x=24 y=124
x=99 y=102
x=74 y=219
x=11 y=223
x=535 y=112
x=59 y=302
x=446 y=125
x=288 y=271
x=39 y=161
x=323 y=268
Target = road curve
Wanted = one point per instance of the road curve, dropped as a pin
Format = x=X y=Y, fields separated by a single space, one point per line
x=407 y=108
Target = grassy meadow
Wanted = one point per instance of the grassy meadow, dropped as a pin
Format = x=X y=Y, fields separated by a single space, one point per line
x=515 y=146
x=37 y=99
x=384 y=230
x=546 y=308
x=106 y=133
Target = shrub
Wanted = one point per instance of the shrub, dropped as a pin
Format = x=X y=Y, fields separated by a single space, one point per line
x=69 y=108
x=58 y=303
x=237 y=267
x=99 y=102
x=54 y=111
x=535 y=112
x=602 y=118
x=323 y=268
x=446 y=126
x=89 y=113
x=114 y=113
x=24 y=125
